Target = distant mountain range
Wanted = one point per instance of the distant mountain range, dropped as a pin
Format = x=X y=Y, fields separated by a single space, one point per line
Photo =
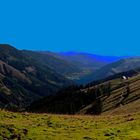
x=80 y=65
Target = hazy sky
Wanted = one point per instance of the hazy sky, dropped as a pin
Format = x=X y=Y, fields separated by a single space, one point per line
x=106 y=27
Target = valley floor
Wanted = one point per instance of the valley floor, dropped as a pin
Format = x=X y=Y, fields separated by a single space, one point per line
x=28 y=126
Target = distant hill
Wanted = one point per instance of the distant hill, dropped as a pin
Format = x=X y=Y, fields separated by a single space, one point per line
x=53 y=61
x=122 y=65
x=113 y=95
x=23 y=79
x=89 y=59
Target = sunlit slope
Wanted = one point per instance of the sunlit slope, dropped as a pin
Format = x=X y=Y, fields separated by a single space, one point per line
x=117 y=100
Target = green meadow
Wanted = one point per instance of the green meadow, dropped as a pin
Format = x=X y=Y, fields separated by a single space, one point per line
x=29 y=126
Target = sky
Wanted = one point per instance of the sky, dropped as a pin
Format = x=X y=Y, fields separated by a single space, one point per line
x=105 y=27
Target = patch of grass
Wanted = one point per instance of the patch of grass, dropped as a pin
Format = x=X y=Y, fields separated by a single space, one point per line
x=28 y=126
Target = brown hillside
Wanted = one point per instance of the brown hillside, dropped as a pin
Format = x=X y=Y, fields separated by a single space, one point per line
x=118 y=101
x=5 y=69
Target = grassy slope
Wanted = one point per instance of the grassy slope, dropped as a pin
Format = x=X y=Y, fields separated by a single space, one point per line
x=123 y=109
x=112 y=104
x=27 y=126
x=130 y=104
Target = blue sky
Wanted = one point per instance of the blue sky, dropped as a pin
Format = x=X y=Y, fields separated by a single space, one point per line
x=105 y=27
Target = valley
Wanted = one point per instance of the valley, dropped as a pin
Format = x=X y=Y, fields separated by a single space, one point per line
x=110 y=96
x=26 y=76
x=55 y=96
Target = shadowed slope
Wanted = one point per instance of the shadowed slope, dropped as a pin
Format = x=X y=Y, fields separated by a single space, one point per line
x=23 y=79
